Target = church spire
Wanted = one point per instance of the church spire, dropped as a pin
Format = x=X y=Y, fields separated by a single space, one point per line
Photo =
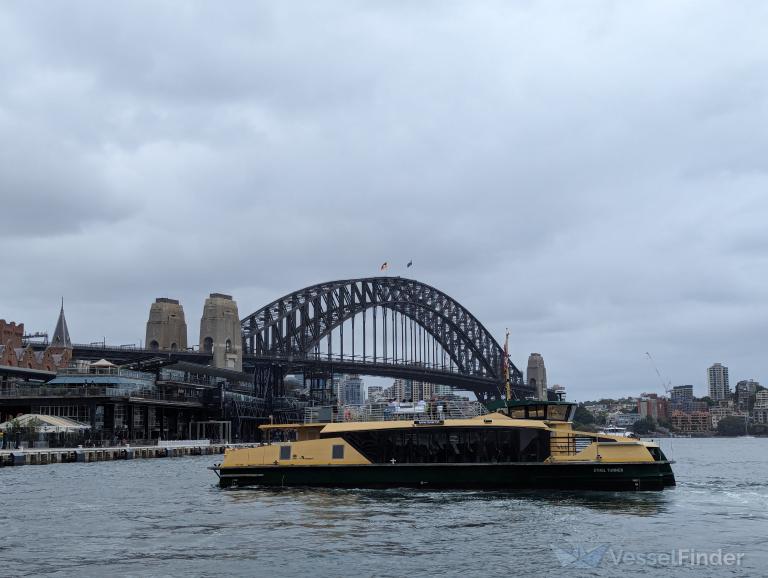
x=61 y=333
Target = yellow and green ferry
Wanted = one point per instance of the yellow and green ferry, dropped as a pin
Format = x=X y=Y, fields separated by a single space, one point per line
x=528 y=444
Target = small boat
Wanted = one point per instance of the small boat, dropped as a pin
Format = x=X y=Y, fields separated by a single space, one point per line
x=525 y=444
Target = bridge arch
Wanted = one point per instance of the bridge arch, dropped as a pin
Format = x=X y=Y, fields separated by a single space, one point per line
x=294 y=326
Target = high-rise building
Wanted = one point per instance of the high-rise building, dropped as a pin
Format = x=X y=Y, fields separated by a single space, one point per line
x=717 y=382
x=398 y=390
x=745 y=389
x=537 y=375
x=442 y=391
x=410 y=390
x=681 y=394
x=166 y=326
x=220 y=332
x=336 y=386
x=352 y=390
x=375 y=392
x=651 y=405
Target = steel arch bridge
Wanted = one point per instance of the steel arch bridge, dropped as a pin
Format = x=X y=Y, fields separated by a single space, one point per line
x=389 y=326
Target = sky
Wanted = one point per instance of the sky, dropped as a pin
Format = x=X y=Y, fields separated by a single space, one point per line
x=591 y=175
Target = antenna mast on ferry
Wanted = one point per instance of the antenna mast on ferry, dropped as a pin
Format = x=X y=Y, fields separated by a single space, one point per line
x=505 y=366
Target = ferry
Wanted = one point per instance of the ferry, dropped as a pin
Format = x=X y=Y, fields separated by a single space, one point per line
x=524 y=444
x=616 y=431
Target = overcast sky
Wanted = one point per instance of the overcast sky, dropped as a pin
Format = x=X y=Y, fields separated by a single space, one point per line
x=591 y=175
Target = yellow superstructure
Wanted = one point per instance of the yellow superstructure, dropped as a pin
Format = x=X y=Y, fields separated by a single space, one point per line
x=310 y=449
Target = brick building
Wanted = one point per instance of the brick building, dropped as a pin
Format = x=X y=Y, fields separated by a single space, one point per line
x=13 y=353
x=694 y=422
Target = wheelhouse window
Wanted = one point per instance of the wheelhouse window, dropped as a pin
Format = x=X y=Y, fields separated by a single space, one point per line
x=536 y=411
x=557 y=412
x=285 y=452
x=337 y=452
x=517 y=412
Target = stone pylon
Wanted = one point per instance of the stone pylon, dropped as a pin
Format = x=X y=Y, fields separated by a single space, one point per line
x=166 y=327
x=220 y=332
x=537 y=375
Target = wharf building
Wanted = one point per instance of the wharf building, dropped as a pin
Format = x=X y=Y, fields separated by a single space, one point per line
x=717 y=382
x=117 y=403
x=155 y=397
x=16 y=353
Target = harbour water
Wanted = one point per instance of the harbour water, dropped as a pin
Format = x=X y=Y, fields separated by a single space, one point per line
x=168 y=517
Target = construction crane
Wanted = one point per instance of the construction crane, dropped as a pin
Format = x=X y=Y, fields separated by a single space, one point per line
x=668 y=385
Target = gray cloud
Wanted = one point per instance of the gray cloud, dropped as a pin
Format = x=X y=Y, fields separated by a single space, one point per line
x=591 y=176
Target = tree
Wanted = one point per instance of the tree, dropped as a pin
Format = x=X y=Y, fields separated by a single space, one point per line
x=665 y=423
x=710 y=402
x=644 y=426
x=758 y=429
x=583 y=415
x=600 y=419
x=583 y=420
x=731 y=426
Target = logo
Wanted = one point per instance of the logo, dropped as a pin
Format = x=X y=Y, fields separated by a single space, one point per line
x=579 y=556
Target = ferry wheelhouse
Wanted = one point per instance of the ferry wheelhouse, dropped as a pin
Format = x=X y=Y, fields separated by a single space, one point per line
x=529 y=444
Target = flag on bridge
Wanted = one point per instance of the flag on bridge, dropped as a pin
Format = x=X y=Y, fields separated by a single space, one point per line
x=384 y=266
x=409 y=264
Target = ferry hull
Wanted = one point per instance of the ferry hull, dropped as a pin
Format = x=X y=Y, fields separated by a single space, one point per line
x=571 y=476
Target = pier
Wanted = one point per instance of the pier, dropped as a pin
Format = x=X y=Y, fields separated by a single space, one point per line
x=174 y=449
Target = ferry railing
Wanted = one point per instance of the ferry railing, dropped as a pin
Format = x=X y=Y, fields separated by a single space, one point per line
x=91 y=391
x=105 y=371
x=570 y=444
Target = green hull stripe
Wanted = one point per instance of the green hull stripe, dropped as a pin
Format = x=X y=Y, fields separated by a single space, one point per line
x=621 y=476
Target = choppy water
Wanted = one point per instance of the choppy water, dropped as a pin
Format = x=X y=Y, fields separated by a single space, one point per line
x=167 y=517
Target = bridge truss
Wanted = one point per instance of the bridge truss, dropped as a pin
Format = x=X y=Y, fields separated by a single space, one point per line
x=388 y=326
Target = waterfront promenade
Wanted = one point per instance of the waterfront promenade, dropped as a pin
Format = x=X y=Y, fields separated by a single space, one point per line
x=170 y=449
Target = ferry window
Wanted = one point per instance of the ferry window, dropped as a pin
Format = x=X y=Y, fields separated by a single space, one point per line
x=530 y=447
x=438 y=445
x=557 y=412
x=536 y=412
x=285 y=452
x=517 y=412
x=337 y=452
